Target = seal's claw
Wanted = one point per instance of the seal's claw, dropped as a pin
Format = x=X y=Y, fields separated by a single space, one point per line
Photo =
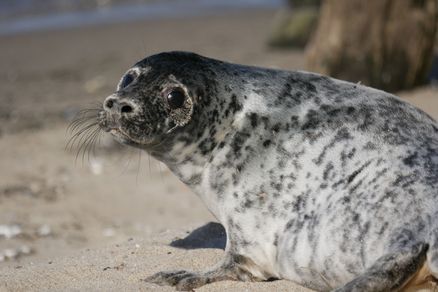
x=175 y=278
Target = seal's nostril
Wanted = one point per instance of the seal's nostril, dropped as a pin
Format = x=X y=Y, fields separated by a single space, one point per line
x=109 y=103
x=126 y=109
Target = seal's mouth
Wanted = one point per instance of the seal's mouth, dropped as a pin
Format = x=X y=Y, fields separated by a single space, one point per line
x=105 y=123
x=119 y=134
x=112 y=125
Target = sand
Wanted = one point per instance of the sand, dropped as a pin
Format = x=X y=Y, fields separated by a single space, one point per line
x=105 y=222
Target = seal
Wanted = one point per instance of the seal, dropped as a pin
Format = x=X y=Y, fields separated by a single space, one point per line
x=326 y=183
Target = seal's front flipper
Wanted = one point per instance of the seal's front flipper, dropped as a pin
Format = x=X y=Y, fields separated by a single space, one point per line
x=232 y=269
x=185 y=280
x=391 y=272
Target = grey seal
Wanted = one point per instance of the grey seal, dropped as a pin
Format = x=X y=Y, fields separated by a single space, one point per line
x=330 y=184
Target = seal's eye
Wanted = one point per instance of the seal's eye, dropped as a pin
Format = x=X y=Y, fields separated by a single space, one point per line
x=127 y=79
x=176 y=98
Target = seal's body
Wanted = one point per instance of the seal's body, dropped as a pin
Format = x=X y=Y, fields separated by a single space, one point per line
x=323 y=182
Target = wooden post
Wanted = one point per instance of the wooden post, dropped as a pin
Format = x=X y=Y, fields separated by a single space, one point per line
x=386 y=44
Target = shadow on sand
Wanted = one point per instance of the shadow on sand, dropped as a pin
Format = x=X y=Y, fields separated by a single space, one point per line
x=211 y=235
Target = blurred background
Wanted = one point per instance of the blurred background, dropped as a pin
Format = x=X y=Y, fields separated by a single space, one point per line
x=60 y=56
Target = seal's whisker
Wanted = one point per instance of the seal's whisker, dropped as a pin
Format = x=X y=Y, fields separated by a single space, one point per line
x=82 y=142
x=84 y=131
x=138 y=166
x=82 y=126
x=89 y=145
x=76 y=121
x=96 y=141
x=90 y=137
x=75 y=139
x=85 y=141
x=82 y=116
x=86 y=144
x=78 y=124
x=92 y=143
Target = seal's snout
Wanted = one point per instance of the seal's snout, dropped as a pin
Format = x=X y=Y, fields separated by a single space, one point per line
x=114 y=110
x=119 y=107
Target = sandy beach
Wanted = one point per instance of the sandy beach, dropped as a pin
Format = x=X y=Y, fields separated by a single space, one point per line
x=105 y=222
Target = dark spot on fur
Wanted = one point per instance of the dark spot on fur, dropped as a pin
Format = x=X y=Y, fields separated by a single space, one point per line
x=351 y=177
x=254 y=119
x=411 y=160
x=276 y=128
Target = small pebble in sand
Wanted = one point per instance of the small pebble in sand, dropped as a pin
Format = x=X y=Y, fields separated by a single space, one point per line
x=108 y=232
x=14 y=253
x=10 y=231
x=44 y=230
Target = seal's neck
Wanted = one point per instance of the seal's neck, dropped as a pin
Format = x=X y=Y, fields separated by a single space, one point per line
x=191 y=153
x=218 y=128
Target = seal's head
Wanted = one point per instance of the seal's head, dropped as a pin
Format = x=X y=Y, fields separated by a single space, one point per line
x=154 y=99
x=171 y=103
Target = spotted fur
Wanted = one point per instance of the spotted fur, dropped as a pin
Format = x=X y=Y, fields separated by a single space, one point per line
x=323 y=182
